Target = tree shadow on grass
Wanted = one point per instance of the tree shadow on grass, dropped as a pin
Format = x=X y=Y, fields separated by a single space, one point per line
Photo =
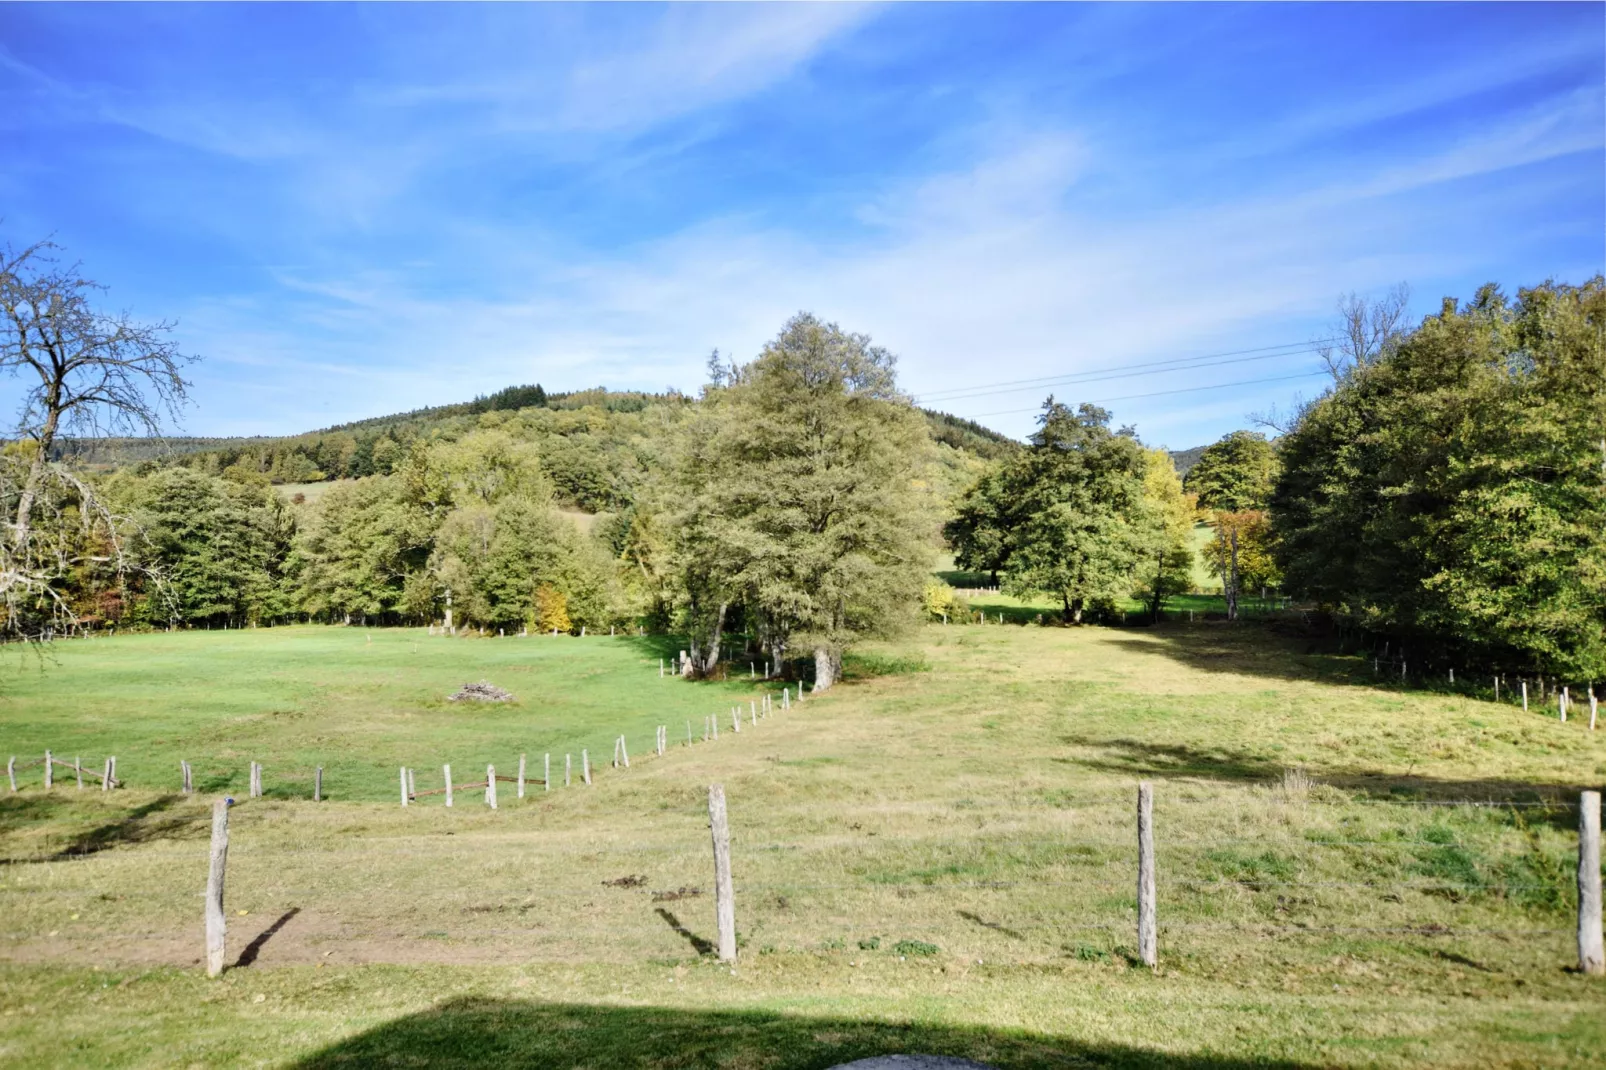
x=1249 y=648
x=142 y=824
x=475 y=1032
x=1549 y=802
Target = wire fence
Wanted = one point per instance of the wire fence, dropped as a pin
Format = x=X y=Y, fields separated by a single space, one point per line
x=1031 y=896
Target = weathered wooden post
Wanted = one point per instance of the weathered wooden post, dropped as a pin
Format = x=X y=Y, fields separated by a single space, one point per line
x=585 y=766
x=217 y=925
x=11 y=769
x=109 y=777
x=724 y=893
x=50 y=772
x=1147 y=941
x=78 y=769
x=446 y=771
x=1591 y=954
x=624 y=752
x=185 y=777
x=736 y=719
x=317 y=784
x=412 y=782
x=1594 y=708
x=1524 y=696
x=568 y=767
x=752 y=713
x=546 y=775
x=490 y=786
x=406 y=795
x=521 y=776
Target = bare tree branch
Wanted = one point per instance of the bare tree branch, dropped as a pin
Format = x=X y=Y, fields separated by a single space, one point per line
x=87 y=374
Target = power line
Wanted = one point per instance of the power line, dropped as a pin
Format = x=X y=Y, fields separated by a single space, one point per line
x=1079 y=379
x=1162 y=393
x=967 y=391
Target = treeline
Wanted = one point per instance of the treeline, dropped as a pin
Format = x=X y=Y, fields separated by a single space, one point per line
x=1447 y=496
x=1450 y=492
x=795 y=503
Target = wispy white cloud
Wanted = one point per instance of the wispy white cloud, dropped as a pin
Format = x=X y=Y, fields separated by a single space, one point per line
x=974 y=276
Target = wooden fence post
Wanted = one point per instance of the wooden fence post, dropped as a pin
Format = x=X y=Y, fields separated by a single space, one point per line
x=752 y=712
x=109 y=777
x=1591 y=954
x=736 y=719
x=1594 y=708
x=1524 y=696
x=568 y=764
x=624 y=751
x=412 y=782
x=490 y=786
x=317 y=784
x=585 y=765
x=521 y=776
x=1147 y=949
x=50 y=772
x=1561 y=704
x=405 y=794
x=187 y=781
x=217 y=924
x=724 y=894
x=78 y=769
x=11 y=768
x=546 y=777
x=446 y=771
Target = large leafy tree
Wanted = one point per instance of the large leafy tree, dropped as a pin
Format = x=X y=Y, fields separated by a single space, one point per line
x=1452 y=493
x=1167 y=566
x=1234 y=474
x=798 y=497
x=1079 y=520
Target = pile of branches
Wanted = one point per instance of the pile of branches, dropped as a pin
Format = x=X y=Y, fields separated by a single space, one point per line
x=480 y=692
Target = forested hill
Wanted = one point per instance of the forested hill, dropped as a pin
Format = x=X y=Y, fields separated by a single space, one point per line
x=595 y=444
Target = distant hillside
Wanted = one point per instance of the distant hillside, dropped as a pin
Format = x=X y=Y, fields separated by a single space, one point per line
x=596 y=445
x=1186 y=459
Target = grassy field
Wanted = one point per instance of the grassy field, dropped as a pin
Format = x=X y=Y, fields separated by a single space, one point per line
x=937 y=856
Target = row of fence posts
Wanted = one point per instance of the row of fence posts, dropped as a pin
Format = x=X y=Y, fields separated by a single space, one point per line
x=1564 y=699
x=756 y=708
x=1591 y=953
x=108 y=775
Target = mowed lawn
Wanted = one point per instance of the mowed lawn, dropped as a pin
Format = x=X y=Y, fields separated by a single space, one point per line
x=938 y=856
x=361 y=703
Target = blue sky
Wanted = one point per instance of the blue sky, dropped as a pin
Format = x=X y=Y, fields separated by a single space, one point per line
x=354 y=210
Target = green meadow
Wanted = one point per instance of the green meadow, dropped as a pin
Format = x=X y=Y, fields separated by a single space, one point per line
x=938 y=855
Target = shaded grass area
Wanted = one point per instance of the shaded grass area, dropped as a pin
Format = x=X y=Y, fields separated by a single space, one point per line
x=939 y=855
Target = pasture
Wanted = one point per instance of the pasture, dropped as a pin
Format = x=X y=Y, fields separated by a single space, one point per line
x=937 y=855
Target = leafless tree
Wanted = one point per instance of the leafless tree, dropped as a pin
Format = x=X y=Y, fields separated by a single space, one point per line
x=1366 y=330
x=85 y=374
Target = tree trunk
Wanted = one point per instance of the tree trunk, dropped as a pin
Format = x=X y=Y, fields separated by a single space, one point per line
x=705 y=660
x=1077 y=605
x=827 y=668
x=1231 y=586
